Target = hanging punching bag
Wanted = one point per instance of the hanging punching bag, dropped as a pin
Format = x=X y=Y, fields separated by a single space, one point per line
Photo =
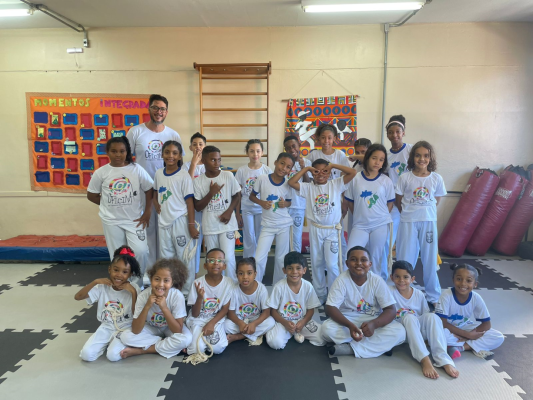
x=468 y=212
x=508 y=191
x=516 y=224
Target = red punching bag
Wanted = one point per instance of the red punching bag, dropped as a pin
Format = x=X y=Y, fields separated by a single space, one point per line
x=468 y=212
x=516 y=224
x=508 y=191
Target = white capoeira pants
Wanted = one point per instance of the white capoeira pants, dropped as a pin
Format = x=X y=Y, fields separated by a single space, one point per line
x=374 y=241
x=128 y=234
x=218 y=340
x=153 y=239
x=415 y=237
x=426 y=327
x=267 y=236
x=198 y=218
x=250 y=232
x=324 y=247
x=278 y=336
x=297 y=215
x=492 y=339
x=167 y=344
x=226 y=242
x=232 y=328
x=383 y=339
x=172 y=243
x=395 y=215
x=99 y=341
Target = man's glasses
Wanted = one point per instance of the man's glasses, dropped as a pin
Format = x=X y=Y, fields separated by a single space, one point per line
x=215 y=260
x=157 y=109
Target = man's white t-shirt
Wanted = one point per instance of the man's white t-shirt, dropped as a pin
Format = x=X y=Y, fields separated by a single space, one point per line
x=298 y=202
x=419 y=202
x=265 y=188
x=398 y=162
x=147 y=146
x=112 y=302
x=249 y=306
x=468 y=315
x=338 y=157
x=247 y=178
x=218 y=204
x=323 y=202
x=215 y=297
x=293 y=306
x=416 y=305
x=122 y=191
x=155 y=317
x=172 y=192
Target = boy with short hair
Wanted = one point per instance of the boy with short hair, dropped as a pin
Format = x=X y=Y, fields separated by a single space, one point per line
x=217 y=193
x=292 y=304
x=361 y=310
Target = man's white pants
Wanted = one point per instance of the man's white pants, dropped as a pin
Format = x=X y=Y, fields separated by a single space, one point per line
x=226 y=242
x=374 y=241
x=218 y=340
x=415 y=237
x=278 y=336
x=267 y=236
x=492 y=339
x=172 y=243
x=324 y=248
x=251 y=231
x=97 y=344
x=232 y=328
x=128 y=234
x=426 y=327
x=383 y=339
x=167 y=344
x=297 y=216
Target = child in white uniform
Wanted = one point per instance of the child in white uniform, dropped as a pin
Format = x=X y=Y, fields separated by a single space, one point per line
x=249 y=315
x=173 y=199
x=326 y=135
x=297 y=208
x=210 y=298
x=217 y=194
x=412 y=312
x=361 y=310
x=418 y=193
x=196 y=167
x=158 y=326
x=276 y=222
x=397 y=157
x=370 y=196
x=465 y=317
x=292 y=304
x=117 y=188
x=323 y=211
x=247 y=175
x=115 y=297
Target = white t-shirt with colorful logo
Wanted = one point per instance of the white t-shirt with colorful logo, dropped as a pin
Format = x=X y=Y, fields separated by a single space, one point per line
x=338 y=157
x=215 y=297
x=370 y=198
x=175 y=303
x=199 y=169
x=122 y=190
x=112 y=302
x=293 y=306
x=274 y=192
x=172 y=192
x=368 y=299
x=398 y=162
x=249 y=306
x=298 y=202
x=323 y=202
x=416 y=305
x=419 y=202
x=247 y=178
x=219 y=203
x=147 y=146
x=466 y=316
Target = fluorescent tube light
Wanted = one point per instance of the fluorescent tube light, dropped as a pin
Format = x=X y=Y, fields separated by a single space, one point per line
x=363 y=7
x=20 y=12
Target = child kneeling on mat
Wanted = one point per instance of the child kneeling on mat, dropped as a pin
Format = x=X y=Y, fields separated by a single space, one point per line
x=420 y=325
x=361 y=310
x=465 y=316
x=210 y=297
x=157 y=326
x=116 y=298
x=292 y=304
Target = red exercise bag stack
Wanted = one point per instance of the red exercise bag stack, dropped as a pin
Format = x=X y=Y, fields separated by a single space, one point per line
x=516 y=224
x=468 y=212
x=509 y=189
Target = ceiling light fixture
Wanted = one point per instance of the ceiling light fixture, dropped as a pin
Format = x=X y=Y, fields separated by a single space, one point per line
x=17 y=12
x=361 y=7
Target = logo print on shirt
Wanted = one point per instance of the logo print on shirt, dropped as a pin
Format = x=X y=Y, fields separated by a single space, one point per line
x=249 y=185
x=398 y=167
x=420 y=196
x=121 y=193
x=458 y=320
x=364 y=307
x=153 y=150
x=113 y=307
x=369 y=198
x=216 y=203
x=275 y=204
x=158 y=320
x=164 y=194
x=119 y=186
x=292 y=311
x=248 y=310
x=210 y=307
x=403 y=311
x=322 y=206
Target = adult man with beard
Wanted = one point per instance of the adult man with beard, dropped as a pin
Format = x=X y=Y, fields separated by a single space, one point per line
x=146 y=141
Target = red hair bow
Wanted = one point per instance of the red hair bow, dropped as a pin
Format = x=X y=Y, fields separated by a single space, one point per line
x=126 y=251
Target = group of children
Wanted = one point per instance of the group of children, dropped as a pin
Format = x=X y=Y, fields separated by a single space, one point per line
x=386 y=193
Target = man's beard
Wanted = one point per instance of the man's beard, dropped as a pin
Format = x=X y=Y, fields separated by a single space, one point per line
x=157 y=122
